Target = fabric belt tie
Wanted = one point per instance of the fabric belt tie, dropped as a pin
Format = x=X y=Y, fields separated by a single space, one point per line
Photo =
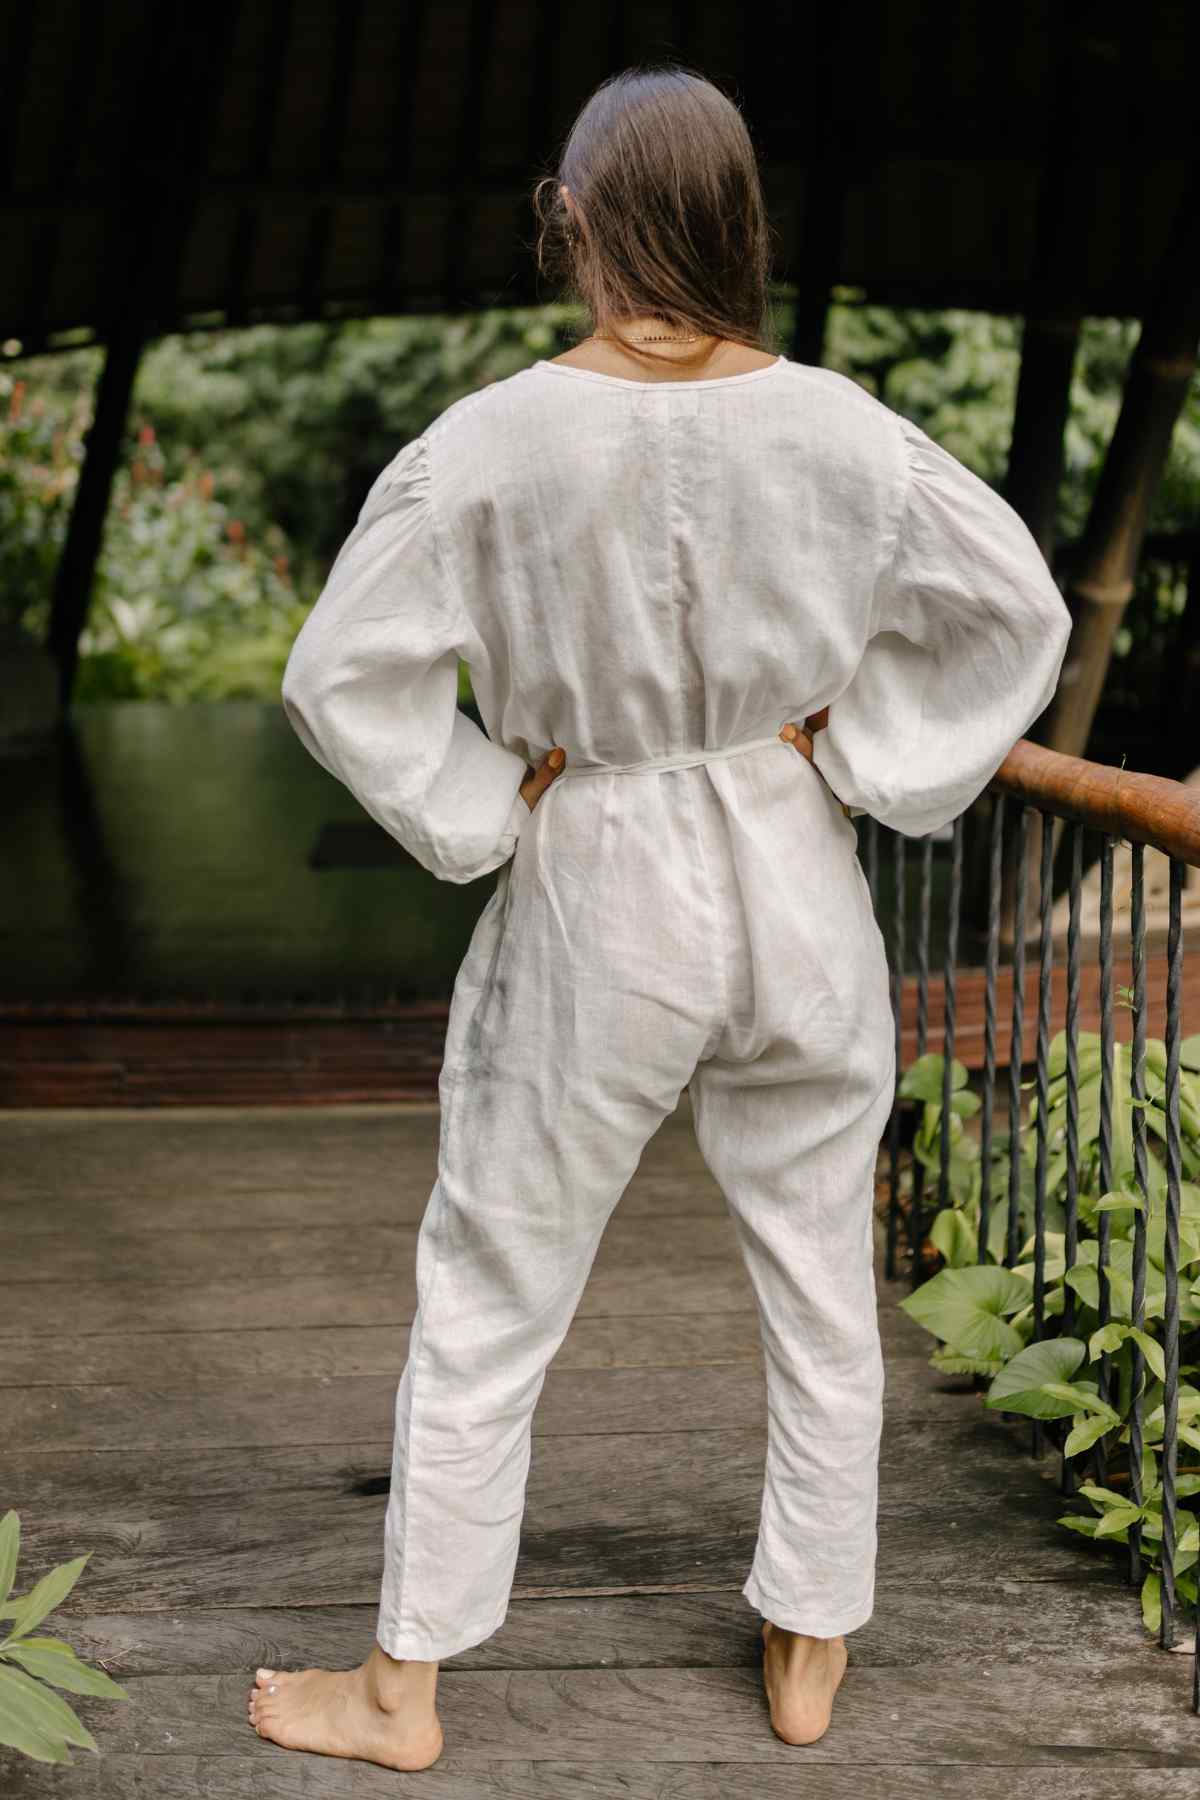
x=684 y=759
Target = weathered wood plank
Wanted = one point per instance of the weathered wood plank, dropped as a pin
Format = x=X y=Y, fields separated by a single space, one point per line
x=615 y=1289
x=1132 y=1714
x=189 y=1408
x=180 y=1359
x=288 y=1777
x=255 y=1249
x=181 y=1204
x=1082 y=1622
x=184 y=1359
x=612 y=1513
x=257 y=1148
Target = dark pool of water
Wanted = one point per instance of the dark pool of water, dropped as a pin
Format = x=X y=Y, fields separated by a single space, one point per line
x=160 y=853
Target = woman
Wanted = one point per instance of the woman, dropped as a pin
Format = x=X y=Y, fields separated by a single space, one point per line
x=657 y=552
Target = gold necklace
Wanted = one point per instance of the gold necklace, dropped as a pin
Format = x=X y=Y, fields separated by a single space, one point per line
x=658 y=338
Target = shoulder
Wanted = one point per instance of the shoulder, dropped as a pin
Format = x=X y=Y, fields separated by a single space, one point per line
x=841 y=396
x=858 y=435
x=492 y=406
x=460 y=424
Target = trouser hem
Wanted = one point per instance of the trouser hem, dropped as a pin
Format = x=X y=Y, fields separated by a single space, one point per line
x=810 y=1621
x=420 y=1646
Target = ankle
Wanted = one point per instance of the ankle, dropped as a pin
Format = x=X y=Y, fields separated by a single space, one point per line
x=803 y=1643
x=393 y=1682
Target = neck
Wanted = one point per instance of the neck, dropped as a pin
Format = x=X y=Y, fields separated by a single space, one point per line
x=648 y=325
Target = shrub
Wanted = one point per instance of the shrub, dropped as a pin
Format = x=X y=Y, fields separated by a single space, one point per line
x=982 y=1313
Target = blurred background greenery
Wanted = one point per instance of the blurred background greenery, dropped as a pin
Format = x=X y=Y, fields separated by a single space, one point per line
x=249 y=453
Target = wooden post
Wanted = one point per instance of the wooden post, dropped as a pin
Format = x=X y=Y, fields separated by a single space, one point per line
x=77 y=565
x=1035 y=465
x=1035 y=462
x=1160 y=373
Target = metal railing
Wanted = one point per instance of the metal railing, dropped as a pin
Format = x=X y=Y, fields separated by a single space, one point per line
x=1061 y=801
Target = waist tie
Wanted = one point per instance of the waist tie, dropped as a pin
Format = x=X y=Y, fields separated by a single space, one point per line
x=683 y=759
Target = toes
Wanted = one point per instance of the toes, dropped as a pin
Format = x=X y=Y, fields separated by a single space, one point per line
x=262 y=1676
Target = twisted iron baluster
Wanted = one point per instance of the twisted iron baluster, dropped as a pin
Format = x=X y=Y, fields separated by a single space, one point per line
x=1067 y=1483
x=896 y=986
x=1018 y=1042
x=951 y=1003
x=1137 y=1086
x=1045 y=975
x=924 y=917
x=1104 y=1221
x=995 y=866
x=1170 y=1450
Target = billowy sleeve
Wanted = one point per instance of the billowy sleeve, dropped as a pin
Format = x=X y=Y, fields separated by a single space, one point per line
x=967 y=637
x=371 y=688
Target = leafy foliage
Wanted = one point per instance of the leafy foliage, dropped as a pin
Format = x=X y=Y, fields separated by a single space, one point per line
x=982 y=1313
x=249 y=452
x=33 y=1719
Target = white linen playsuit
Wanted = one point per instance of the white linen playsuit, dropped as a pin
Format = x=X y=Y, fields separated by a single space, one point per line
x=658 y=575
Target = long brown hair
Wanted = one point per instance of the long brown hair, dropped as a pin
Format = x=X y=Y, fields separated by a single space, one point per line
x=668 y=215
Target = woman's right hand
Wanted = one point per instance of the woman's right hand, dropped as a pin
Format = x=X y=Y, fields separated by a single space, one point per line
x=539 y=779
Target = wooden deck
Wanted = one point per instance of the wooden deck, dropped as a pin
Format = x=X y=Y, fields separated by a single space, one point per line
x=203 y=1318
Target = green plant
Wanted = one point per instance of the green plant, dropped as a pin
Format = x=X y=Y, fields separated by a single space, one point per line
x=982 y=1313
x=33 y=1719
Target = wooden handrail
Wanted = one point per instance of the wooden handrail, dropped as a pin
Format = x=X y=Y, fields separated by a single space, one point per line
x=1146 y=809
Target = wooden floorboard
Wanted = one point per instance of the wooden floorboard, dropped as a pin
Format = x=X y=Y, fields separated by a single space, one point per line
x=203 y=1317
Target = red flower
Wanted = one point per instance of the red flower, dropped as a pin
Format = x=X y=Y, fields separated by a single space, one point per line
x=146 y=434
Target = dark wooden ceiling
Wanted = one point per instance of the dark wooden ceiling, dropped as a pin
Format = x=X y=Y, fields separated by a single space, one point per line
x=281 y=159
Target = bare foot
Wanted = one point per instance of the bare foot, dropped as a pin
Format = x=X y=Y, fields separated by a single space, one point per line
x=381 y=1712
x=801 y=1675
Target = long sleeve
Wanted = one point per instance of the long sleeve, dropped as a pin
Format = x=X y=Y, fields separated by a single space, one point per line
x=371 y=688
x=966 y=640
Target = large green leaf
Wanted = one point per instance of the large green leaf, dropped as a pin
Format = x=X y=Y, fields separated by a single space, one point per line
x=1117 y=1520
x=30 y=1711
x=953 y=1235
x=949 y=1361
x=1087 y=1053
x=10 y=1544
x=922 y=1080
x=50 y=1592
x=1082 y=1436
x=1080 y=1522
x=1085 y=1280
x=1021 y=1384
x=964 y=1307
x=57 y=1663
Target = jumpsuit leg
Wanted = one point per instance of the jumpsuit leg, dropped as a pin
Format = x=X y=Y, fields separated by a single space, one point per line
x=789 y=1111
x=800 y=1186
x=581 y=1008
